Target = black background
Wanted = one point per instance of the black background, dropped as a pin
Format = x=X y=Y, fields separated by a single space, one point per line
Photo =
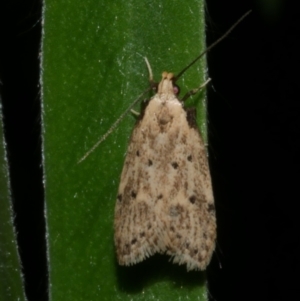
x=253 y=111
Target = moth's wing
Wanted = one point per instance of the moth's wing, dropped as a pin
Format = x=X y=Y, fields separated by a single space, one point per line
x=189 y=213
x=185 y=209
x=137 y=233
x=165 y=201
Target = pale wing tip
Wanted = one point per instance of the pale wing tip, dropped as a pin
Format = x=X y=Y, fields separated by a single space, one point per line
x=180 y=259
x=191 y=263
x=132 y=259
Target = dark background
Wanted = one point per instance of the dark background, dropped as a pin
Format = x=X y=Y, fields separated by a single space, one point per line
x=254 y=130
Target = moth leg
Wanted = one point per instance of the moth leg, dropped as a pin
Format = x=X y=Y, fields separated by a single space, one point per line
x=194 y=91
x=150 y=70
x=153 y=84
x=134 y=112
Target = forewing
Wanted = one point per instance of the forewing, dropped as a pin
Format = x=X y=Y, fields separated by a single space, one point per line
x=165 y=201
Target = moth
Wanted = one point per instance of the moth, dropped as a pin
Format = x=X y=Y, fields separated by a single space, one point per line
x=165 y=200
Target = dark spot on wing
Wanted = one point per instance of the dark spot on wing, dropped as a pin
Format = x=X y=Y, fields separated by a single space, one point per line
x=150 y=162
x=211 y=207
x=192 y=199
x=119 y=197
x=126 y=249
x=133 y=194
x=175 y=165
x=191 y=117
x=190 y=158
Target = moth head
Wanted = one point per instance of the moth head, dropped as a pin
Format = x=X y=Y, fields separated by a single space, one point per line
x=167 y=84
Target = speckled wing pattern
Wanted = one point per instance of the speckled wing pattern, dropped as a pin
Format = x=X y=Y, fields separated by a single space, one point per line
x=165 y=202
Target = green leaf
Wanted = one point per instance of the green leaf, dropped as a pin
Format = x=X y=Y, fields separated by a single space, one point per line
x=11 y=284
x=92 y=70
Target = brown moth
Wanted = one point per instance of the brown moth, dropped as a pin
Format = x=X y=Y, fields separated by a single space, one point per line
x=165 y=200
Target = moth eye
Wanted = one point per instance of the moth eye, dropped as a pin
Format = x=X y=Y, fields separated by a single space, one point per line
x=176 y=89
x=154 y=87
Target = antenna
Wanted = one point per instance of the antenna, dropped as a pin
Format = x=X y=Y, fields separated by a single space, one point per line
x=111 y=129
x=213 y=44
